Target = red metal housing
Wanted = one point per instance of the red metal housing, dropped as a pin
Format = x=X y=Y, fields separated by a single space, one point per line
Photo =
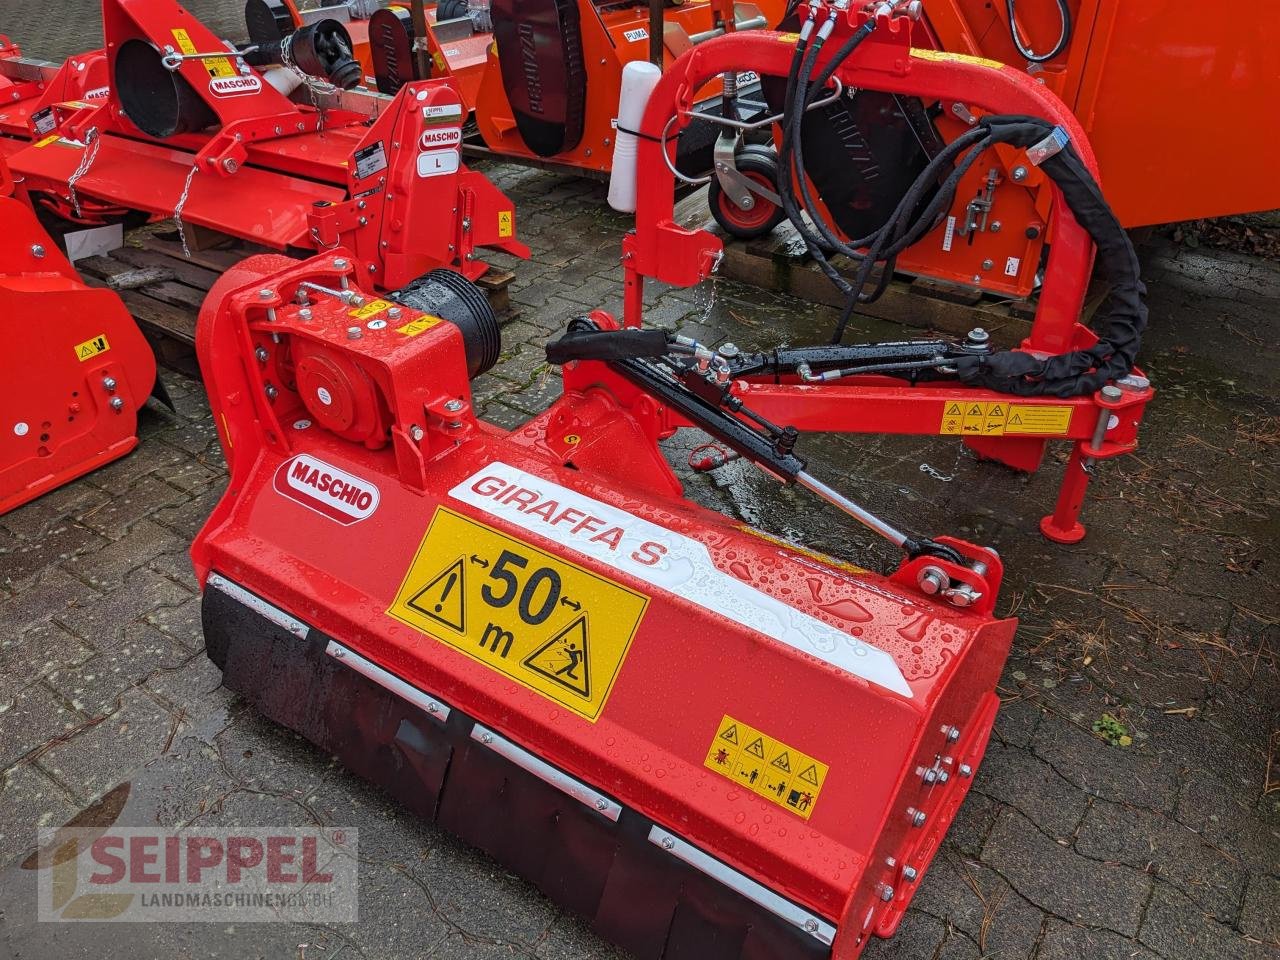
x=76 y=367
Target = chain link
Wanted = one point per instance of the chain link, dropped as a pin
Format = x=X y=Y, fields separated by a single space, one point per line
x=316 y=88
x=710 y=286
x=92 y=143
x=177 y=211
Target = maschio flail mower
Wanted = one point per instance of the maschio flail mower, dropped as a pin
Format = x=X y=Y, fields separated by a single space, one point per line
x=267 y=142
x=709 y=742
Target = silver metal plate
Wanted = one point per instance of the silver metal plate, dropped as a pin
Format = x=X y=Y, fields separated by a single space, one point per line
x=434 y=708
x=258 y=605
x=546 y=772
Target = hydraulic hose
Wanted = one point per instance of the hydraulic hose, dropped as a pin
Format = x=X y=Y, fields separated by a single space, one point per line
x=1024 y=50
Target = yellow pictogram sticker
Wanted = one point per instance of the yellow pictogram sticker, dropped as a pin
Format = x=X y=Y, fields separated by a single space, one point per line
x=974 y=419
x=421 y=325
x=767 y=767
x=92 y=348
x=371 y=309
x=506 y=223
x=548 y=624
x=948 y=57
x=216 y=66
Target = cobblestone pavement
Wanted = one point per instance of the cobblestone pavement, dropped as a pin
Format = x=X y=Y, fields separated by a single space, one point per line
x=1165 y=618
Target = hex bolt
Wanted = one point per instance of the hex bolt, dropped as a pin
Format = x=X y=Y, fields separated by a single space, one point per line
x=395 y=313
x=272 y=392
x=995 y=226
x=432 y=707
x=933 y=580
x=453 y=406
x=1019 y=174
x=109 y=384
x=304 y=313
x=966 y=770
x=261 y=354
x=987 y=264
x=340 y=264
x=1112 y=393
x=886 y=893
x=354 y=333
x=466 y=223
x=978 y=337
x=918 y=817
x=416 y=432
x=952 y=732
x=910 y=874
x=117 y=404
x=668 y=843
x=486 y=738
x=811 y=926
x=728 y=350
x=38 y=251
x=943 y=776
x=930 y=775
x=602 y=804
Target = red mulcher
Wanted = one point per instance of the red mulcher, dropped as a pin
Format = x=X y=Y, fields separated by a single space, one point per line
x=710 y=743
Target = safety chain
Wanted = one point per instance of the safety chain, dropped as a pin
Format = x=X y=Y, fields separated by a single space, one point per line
x=710 y=285
x=316 y=88
x=92 y=143
x=177 y=211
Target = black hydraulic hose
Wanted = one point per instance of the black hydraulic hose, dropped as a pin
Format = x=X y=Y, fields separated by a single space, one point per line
x=1025 y=51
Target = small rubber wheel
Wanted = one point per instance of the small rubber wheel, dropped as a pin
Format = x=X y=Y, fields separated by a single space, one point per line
x=759 y=164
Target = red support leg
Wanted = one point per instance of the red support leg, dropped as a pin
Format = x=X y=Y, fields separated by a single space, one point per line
x=1063 y=525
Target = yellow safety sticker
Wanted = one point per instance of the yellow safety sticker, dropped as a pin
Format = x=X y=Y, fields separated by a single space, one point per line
x=421 y=325
x=803 y=551
x=945 y=56
x=770 y=768
x=52 y=138
x=371 y=309
x=506 y=223
x=92 y=348
x=789 y=38
x=550 y=625
x=1000 y=418
x=216 y=66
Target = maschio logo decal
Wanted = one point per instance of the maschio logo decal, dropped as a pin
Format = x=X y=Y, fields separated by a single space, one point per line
x=327 y=490
x=235 y=86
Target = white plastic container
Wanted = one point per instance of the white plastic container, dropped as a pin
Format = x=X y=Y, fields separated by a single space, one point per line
x=638 y=80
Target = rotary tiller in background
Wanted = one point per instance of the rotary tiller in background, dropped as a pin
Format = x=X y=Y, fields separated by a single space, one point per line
x=76 y=368
x=706 y=741
x=1066 y=382
x=191 y=127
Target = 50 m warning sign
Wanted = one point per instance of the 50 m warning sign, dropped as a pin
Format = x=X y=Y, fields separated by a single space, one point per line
x=548 y=624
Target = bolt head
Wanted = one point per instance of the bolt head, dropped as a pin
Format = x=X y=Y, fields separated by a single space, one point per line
x=38 y=251
x=886 y=893
x=1111 y=393
x=272 y=392
x=486 y=738
x=354 y=333
x=304 y=313
x=416 y=432
x=340 y=264
x=395 y=313
x=987 y=264
x=261 y=354
x=668 y=843
x=1019 y=174
x=811 y=926
x=966 y=770
x=453 y=406
x=117 y=404
x=910 y=874
x=266 y=293
x=602 y=804
x=953 y=734
x=109 y=384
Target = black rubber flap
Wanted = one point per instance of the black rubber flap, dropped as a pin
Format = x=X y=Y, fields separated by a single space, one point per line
x=391 y=49
x=540 y=52
x=631 y=890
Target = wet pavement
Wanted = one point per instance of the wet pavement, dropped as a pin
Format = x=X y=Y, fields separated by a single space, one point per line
x=1165 y=619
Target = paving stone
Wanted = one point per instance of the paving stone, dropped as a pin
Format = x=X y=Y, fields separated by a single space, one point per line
x=106 y=567
x=1228 y=819
x=27 y=559
x=1260 y=917
x=187 y=519
x=979 y=903
x=34 y=653
x=1088 y=761
x=103 y=620
x=181 y=621
x=50 y=594
x=1164 y=848
x=95 y=686
x=55 y=508
x=145 y=459
x=145 y=498
x=32 y=719
x=1067 y=941
x=1059 y=881
x=103 y=755
x=1176 y=928
x=921 y=935
x=29 y=800
x=1020 y=779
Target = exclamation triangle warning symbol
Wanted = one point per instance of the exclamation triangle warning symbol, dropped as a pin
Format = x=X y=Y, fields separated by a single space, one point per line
x=444 y=598
x=565 y=658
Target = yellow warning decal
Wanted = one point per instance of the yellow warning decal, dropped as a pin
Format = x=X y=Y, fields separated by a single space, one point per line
x=506 y=223
x=558 y=629
x=789 y=38
x=216 y=66
x=52 y=138
x=421 y=325
x=948 y=57
x=975 y=419
x=371 y=309
x=770 y=768
x=92 y=348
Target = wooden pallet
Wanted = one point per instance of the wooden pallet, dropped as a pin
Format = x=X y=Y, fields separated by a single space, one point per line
x=779 y=262
x=164 y=289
